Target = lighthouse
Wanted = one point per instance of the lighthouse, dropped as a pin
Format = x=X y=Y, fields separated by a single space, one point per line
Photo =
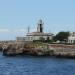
x=40 y=26
x=36 y=35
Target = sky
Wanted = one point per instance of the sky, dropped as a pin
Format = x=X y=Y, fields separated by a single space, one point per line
x=17 y=15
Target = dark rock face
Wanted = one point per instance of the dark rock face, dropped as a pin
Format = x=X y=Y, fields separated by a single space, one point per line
x=1 y=48
x=65 y=56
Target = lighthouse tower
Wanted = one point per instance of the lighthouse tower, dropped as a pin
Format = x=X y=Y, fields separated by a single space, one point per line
x=40 y=26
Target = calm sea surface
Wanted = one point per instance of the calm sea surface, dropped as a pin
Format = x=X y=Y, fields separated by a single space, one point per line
x=29 y=65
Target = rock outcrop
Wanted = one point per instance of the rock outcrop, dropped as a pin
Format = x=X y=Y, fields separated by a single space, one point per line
x=26 y=48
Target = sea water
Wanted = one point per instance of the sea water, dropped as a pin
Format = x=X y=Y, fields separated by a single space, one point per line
x=31 y=65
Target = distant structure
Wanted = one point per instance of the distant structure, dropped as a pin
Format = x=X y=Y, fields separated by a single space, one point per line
x=28 y=29
x=71 y=38
x=20 y=39
x=39 y=34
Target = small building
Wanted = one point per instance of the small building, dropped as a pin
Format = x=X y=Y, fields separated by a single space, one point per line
x=71 y=38
x=20 y=39
x=39 y=34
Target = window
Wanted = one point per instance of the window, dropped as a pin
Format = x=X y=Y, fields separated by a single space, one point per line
x=31 y=38
x=71 y=41
x=28 y=38
x=74 y=41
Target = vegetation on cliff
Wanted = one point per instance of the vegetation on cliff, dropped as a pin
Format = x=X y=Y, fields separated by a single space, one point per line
x=61 y=36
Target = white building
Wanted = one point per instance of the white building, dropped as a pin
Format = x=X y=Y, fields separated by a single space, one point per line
x=71 y=38
x=38 y=34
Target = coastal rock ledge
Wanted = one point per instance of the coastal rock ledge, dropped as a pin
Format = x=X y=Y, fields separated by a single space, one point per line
x=27 y=49
x=53 y=50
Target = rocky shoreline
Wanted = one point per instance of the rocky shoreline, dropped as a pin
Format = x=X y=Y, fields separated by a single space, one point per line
x=39 y=49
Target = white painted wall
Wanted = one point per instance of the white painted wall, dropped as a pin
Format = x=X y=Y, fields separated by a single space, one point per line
x=31 y=38
x=71 y=39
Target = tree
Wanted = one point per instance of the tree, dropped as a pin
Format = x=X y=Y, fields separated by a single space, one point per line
x=62 y=36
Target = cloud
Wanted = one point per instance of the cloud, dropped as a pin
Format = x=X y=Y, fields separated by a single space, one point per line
x=4 y=30
x=20 y=30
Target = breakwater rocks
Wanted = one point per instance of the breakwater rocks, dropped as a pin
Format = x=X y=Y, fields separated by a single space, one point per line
x=40 y=49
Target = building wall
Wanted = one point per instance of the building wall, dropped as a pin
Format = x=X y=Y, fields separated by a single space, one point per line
x=71 y=38
x=31 y=38
x=20 y=39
